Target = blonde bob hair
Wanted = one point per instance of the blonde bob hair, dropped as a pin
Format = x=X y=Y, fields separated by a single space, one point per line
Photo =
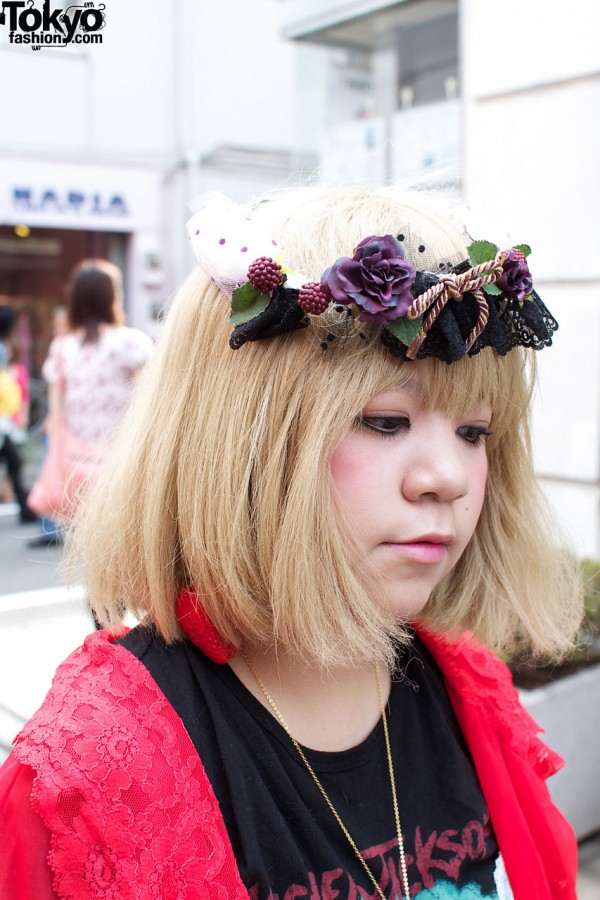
x=219 y=479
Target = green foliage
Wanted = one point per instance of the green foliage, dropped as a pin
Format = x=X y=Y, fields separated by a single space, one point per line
x=405 y=329
x=481 y=252
x=492 y=289
x=590 y=572
x=246 y=303
x=530 y=673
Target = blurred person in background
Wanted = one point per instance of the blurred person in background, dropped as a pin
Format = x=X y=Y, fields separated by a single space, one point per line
x=11 y=406
x=90 y=372
x=51 y=531
x=20 y=373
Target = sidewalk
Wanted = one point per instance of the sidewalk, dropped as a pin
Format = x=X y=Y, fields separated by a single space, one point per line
x=42 y=621
x=38 y=629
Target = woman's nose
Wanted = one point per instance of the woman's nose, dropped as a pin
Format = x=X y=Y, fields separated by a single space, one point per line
x=437 y=468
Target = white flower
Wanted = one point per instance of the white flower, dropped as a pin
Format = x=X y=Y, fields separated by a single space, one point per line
x=225 y=240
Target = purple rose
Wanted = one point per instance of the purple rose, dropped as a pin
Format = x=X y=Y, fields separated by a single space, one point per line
x=515 y=280
x=377 y=278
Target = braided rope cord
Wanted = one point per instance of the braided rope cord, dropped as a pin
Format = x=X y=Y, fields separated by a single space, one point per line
x=454 y=287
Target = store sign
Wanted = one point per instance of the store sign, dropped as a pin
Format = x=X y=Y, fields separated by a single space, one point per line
x=27 y=199
x=85 y=196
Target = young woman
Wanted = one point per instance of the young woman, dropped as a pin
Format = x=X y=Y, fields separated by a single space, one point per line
x=90 y=372
x=321 y=519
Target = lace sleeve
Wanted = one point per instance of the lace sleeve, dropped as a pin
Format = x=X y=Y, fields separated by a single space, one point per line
x=121 y=788
x=484 y=683
x=24 y=839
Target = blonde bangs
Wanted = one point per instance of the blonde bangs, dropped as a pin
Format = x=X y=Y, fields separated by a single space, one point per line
x=503 y=382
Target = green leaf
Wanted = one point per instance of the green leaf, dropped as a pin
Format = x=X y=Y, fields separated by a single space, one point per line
x=492 y=289
x=524 y=248
x=481 y=252
x=246 y=303
x=405 y=329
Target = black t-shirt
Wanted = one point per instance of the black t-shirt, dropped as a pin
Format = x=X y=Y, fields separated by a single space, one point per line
x=285 y=839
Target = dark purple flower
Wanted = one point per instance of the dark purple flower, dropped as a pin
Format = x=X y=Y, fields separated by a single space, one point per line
x=377 y=278
x=515 y=280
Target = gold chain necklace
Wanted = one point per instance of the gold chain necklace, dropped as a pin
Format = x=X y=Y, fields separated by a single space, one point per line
x=301 y=753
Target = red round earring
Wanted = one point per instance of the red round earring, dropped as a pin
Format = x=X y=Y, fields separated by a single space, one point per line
x=199 y=628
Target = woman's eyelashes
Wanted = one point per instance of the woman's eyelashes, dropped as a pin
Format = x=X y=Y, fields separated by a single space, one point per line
x=390 y=426
x=387 y=426
x=474 y=434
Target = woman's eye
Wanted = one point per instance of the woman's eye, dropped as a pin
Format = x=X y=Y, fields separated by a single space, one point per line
x=385 y=425
x=474 y=434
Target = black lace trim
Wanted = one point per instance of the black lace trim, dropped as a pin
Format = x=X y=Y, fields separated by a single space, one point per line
x=281 y=315
x=510 y=323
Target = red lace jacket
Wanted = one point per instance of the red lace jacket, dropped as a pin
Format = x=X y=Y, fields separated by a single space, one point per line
x=105 y=796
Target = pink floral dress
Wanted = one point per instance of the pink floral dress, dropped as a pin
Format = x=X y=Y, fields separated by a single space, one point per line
x=97 y=378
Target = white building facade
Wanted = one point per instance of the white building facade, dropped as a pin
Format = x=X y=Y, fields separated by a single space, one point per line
x=102 y=144
x=496 y=100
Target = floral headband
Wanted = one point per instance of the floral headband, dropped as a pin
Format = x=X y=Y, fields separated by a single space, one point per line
x=486 y=300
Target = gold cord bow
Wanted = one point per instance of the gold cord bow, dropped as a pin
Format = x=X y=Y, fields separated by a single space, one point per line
x=453 y=287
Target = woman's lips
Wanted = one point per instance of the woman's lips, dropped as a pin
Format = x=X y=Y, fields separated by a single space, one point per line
x=428 y=550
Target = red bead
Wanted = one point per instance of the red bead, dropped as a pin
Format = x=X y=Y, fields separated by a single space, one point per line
x=312 y=298
x=264 y=274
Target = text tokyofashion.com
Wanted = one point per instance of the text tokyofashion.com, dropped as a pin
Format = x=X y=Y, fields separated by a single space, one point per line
x=16 y=37
x=26 y=24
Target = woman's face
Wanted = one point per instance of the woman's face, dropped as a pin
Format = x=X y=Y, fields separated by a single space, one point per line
x=410 y=485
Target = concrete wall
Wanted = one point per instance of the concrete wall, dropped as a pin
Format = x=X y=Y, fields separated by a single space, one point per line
x=531 y=85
